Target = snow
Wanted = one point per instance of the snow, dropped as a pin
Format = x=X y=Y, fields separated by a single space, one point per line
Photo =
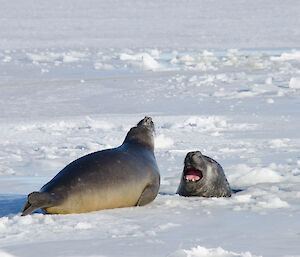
x=200 y=251
x=294 y=83
x=4 y=254
x=163 y=141
x=143 y=60
x=216 y=76
x=247 y=176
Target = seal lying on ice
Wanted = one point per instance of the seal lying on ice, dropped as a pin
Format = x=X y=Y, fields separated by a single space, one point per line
x=203 y=176
x=124 y=176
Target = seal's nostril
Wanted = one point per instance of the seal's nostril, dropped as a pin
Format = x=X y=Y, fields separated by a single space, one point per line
x=147 y=121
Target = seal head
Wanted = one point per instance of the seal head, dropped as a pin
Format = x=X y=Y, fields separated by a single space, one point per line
x=203 y=176
x=142 y=134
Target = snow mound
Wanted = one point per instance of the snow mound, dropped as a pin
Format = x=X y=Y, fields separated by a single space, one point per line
x=99 y=124
x=7 y=59
x=195 y=61
x=295 y=83
x=279 y=143
x=53 y=57
x=4 y=254
x=271 y=202
x=246 y=176
x=143 y=60
x=162 y=141
x=4 y=170
x=210 y=124
x=204 y=123
x=200 y=251
x=293 y=55
x=103 y=66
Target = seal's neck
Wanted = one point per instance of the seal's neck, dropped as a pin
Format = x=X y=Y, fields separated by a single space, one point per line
x=141 y=136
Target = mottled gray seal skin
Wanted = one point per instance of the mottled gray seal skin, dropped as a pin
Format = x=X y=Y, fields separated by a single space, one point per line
x=124 y=176
x=203 y=176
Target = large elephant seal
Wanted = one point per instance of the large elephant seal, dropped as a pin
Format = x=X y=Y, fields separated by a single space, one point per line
x=124 y=176
x=203 y=176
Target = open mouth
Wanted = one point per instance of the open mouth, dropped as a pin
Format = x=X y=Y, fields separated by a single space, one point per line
x=191 y=174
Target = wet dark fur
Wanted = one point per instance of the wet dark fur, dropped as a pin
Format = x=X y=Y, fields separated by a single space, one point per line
x=213 y=183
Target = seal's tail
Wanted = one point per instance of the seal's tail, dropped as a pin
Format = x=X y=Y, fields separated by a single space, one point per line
x=35 y=201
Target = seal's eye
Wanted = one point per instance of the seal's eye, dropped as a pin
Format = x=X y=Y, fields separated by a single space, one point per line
x=192 y=174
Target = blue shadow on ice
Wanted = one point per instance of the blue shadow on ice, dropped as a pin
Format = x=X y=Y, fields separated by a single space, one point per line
x=11 y=204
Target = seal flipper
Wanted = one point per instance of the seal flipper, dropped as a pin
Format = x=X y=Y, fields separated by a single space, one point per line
x=148 y=195
x=37 y=200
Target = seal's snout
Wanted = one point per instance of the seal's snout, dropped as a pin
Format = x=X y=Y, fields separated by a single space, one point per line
x=147 y=122
x=193 y=158
x=192 y=170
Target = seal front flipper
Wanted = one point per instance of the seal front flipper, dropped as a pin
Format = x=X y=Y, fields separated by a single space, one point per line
x=37 y=200
x=148 y=195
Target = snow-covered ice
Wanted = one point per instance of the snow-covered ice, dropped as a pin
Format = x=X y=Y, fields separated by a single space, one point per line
x=221 y=77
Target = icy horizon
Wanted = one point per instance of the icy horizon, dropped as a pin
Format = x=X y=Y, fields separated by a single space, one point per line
x=197 y=25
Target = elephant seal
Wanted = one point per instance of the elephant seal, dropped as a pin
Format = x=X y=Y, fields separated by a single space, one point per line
x=120 y=177
x=203 y=176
